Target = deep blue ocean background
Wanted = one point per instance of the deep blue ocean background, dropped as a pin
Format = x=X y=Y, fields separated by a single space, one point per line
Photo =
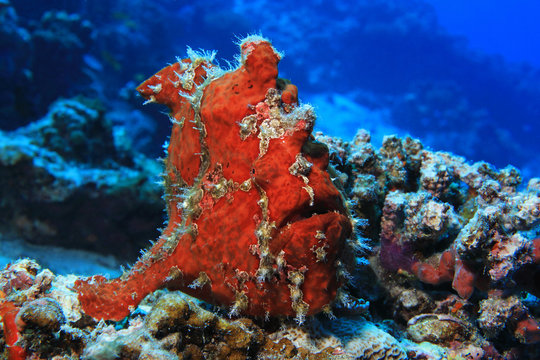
x=461 y=76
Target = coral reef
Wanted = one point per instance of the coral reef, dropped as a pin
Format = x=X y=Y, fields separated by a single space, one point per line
x=14 y=68
x=361 y=339
x=438 y=222
x=255 y=222
x=77 y=184
x=59 y=41
x=44 y=61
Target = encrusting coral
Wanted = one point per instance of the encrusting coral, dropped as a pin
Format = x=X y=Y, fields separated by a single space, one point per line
x=255 y=222
x=446 y=224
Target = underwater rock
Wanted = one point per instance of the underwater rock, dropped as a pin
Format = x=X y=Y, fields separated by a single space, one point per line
x=15 y=74
x=67 y=169
x=172 y=313
x=23 y=281
x=421 y=220
x=496 y=314
x=374 y=344
x=412 y=302
x=363 y=340
x=169 y=311
x=440 y=221
x=18 y=276
x=509 y=255
x=30 y=318
x=438 y=329
x=44 y=314
x=470 y=218
x=344 y=338
x=78 y=132
x=60 y=40
x=42 y=62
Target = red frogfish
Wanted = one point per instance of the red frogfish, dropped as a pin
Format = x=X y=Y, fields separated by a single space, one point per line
x=255 y=222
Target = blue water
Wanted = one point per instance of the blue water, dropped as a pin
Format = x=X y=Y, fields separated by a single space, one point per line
x=508 y=29
x=462 y=76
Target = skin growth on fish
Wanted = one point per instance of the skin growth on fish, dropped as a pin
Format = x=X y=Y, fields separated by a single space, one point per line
x=255 y=222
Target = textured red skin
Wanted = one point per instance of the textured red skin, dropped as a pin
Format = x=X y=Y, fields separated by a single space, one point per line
x=290 y=94
x=528 y=330
x=225 y=246
x=8 y=312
